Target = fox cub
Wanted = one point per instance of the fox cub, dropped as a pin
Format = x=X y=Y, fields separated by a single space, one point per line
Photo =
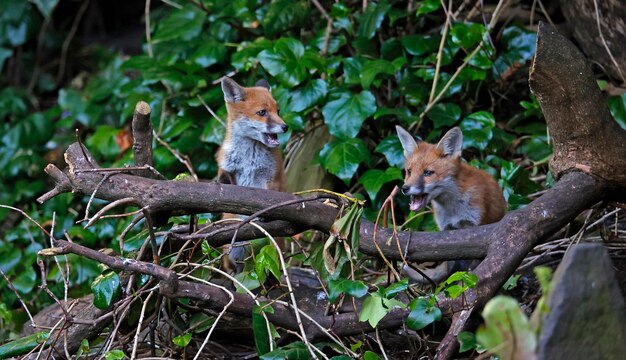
x=250 y=153
x=461 y=195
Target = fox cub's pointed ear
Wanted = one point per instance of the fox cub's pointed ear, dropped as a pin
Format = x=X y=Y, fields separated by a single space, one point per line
x=233 y=92
x=452 y=143
x=407 y=140
x=263 y=83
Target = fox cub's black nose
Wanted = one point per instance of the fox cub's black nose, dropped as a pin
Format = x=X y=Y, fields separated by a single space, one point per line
x=285 y=127
x=405 y=189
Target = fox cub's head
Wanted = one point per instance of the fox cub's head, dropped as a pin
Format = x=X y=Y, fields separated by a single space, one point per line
x=253 y=112
x=431 y=170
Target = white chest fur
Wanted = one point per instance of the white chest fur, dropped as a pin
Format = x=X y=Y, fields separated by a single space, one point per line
x=453 y=210
x=250 y=162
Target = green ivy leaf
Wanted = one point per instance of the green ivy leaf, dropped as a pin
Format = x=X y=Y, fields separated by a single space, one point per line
x=180 y=24
x=418 y=45
x=213 y=132
x=422 y=314
x=292 y=351
x=259 y=327
x=352 y=69
x=444 y=114
x=396 y=288
x=283 y=61
x=285 y=14
x=370 y=355
x=25 y=280
x=373 y=179
x=516 y=48
x=105 y=288
x=372 y=18
x=466 y=35
x=307 y=95
x=344 y=113
x=209 y=53
x=345 y=286
x=342 y=158
x=23 y=345
x=45 y=6
x=182 y=340
x=372 y=68
x=114 y=355
x=372 y=310
x=507 y=331
x=617 y=106
x=427 y=6
x=103 y=140
x=392 y=149
x=467 y=341
x=267 y=261
x=478 y=129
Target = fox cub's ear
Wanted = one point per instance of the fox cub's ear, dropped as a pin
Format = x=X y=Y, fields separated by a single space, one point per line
x=233 y=92
x=452 y=143
x=263 y=83
x=407 y=140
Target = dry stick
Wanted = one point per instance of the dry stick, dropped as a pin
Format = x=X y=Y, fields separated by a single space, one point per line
x=93 y=195
x=125 y=232
x=68 y=40
x=606 y=46
x=153 y=243
x=442 y=44
x=208 y=108
x=329 y=26
x=183 y=159
x=17 y=294
x=147 y=21
x=119 y=202
x=496 y=15
x=247 y=291
x=380 y=345
x=122 y=169
x=217 y=319
x=139 y=324
x=289 y=287
x=380 y=252
x=28 y=217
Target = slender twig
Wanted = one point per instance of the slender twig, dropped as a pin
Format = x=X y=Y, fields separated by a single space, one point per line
x=183 y=159
x=119 y=202
x=139 y=324
x=147 y=21
x=19 y=298
x=68 y=39
x=208 y=108
x=289 y=288
x=606 y=46
x=217 y=319
x=28 y=217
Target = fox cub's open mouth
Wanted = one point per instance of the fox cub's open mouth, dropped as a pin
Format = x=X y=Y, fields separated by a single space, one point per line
x=271 y=139
x=418 y=202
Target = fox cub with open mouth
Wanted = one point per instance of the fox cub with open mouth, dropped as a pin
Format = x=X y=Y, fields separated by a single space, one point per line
x=250 y=154
x=461 y=195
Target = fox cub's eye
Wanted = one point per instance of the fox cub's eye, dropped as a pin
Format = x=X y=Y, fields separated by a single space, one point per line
x=278 y=112
x=408 y=172
x=428 y=172
x=262 y=112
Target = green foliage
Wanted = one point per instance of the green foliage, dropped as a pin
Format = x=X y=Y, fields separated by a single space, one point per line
x=374 y=70
x=182 y=340
x=507 y=331
x=24 y=345
x=259 y=326
x=106 y=288
x=381 y=302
